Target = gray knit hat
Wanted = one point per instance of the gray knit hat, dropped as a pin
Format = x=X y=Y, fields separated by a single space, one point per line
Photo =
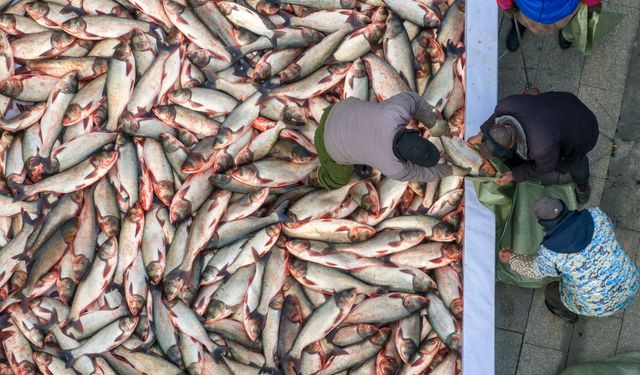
x=547 y=208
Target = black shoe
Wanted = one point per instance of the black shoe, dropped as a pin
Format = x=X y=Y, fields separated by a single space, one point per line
x=565 y=315
x=512 y=38
x=564 y=44
x=583 y=193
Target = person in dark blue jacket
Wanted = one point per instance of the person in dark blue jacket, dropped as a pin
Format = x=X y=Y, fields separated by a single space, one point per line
x=542 y=17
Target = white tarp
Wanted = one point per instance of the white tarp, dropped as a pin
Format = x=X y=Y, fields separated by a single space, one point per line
x=479 y=254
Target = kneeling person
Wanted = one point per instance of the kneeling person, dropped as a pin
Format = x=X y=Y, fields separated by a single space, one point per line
x=354 y=132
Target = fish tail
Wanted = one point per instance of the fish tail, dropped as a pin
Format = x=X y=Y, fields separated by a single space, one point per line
x=453 y=50
x=236 y=53
x=71 y=9
x=20 y=192
x=67 y=357
x=281 y=211
x=286 y=17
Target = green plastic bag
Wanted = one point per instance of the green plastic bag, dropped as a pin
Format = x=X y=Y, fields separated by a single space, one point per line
x=585 y=29
x=515 y=227
x=621 y=364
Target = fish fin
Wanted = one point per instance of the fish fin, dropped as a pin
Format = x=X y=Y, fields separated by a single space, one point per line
x=71 y=9
x=453 y=50
x=337 y=351
x=67 y=357
x=281 y=211
x=236 y=53
x=286 y=17
x=20 y=193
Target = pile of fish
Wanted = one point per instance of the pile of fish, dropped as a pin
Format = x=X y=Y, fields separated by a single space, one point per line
x=155 y=212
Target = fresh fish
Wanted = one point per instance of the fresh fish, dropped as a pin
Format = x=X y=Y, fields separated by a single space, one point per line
x=400 y=279
x=397 y=50
x=100 y=27
x=327 y=280
x=443 y=322
x=384 y=79
x=386 y=308
x=85 y=102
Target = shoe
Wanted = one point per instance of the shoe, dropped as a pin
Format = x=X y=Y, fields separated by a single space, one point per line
x=565 y=315
x=583 y=193
x=512 y=38
x=564 y=44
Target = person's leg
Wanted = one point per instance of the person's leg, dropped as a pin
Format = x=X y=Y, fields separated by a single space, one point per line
x=554 y=303
x=513 y=43
x=564 y=44
x=579 y=170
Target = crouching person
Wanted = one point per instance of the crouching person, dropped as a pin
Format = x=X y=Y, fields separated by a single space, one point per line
x=597 y=277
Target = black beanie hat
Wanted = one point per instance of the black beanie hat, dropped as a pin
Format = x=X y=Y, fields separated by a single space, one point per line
x=409 y=145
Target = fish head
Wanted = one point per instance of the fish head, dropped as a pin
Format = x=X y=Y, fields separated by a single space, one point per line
x=298 y=268
x=180 y=96
x=262 y=71
x=79 y=266
x=346 y=298
x=37 y=9
x=361 y=233
x=348 y=4
x=128 y=323
x=66 y=289
x=380 y=15
x=155 y=270
x=197 y=3
x=452 y=251
x=7 y=21
x=413 y=302
x=193 y=163
x=174 y=37
x=180 y=209
x=380 y=337
x=430 y=346
x=216 y=310
x=422 y=283
x=128 y=122
x=11 y=87
x=246 y=173
x=293 y=113
x=42 y=359
x=108 y=249
x=394 y=26
x=74 y=26
x=224 y=7
x=101 y=65
x=374 y=32
x=298 y=246
x=386 y=365
x=359 y=69
x=140 y=41
x=136 y=303
x=72 y=114
x=99 y=116
x=195 y=368
x=456 y=307
x=171 y=287
x=443 y=232
x=339 y=69
x=174 y=355
x=412 y=236
x=165 y=112
x=122 y=52
x=173 y=7
x=104 y=159
x=188 y=293
x=291 y=73
x=291 y=309
x=312 y=36
x=200 y=58
x=169 y=143
x=69 y=83
x=300 y=154
x=366 y=330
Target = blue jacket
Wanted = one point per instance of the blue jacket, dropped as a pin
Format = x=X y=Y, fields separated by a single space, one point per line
x=547 y=11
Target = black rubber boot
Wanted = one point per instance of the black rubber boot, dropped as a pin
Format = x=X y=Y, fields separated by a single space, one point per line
x=564 y=44
x=512 y=38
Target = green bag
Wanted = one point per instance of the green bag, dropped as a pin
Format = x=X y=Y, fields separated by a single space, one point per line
x=585 y=29
x=515 y=227
x=621 y=364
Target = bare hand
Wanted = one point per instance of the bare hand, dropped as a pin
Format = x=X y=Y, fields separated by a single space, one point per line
x=505 y=255
x=506 y=178
x=475 y=140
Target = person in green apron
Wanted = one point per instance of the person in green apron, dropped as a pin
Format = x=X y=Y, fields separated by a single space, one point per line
x=355 y=133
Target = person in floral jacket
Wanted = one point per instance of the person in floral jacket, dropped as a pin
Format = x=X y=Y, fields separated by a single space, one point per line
x=597 y=277
x=542 y=17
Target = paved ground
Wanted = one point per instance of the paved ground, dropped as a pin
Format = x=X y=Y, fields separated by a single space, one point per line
x=529 y=339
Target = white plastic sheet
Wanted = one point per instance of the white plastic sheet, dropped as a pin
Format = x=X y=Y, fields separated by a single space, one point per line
x=479 y=253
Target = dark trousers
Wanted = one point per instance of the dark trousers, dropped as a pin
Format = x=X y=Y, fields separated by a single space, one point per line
x=577 y=167
x=554 y=302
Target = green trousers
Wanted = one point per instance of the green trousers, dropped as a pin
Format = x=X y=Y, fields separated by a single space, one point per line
x=331 y=175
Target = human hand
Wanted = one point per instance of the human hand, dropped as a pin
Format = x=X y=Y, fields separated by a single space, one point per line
x=475 y=140
x=505 y=254
x=461 y=172
x=506 y=178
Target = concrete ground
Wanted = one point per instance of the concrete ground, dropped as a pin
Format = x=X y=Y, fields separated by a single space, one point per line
x=529 y=339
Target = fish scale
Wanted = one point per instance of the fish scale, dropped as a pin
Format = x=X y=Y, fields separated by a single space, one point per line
x=185 y=154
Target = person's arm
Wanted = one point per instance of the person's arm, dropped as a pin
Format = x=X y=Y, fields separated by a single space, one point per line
x=534 y=268
x=409 y=104
x=540 y=164
x=505 y=4
x=412 y=172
